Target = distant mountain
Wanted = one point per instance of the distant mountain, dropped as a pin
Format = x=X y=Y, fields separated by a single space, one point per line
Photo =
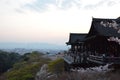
x=32 y=46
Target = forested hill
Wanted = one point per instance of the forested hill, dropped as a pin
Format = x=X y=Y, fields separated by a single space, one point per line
x=7 y=60
x=20 y=67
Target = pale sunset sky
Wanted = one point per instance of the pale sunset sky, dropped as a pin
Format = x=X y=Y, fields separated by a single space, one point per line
x=51 y=21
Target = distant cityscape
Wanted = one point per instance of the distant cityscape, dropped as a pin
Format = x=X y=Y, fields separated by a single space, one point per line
x=23 y=48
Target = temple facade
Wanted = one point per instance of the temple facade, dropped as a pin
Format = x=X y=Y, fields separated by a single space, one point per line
x=101 y=45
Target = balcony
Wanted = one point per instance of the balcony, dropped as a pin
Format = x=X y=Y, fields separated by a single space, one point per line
x=73 y=58
x=104 y=60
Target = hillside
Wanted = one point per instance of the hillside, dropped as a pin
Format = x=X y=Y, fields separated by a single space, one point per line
x=26 y=68
x=37 y=66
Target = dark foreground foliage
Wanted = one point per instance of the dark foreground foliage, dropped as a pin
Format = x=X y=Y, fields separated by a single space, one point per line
x=7 y=60
x=88 y=76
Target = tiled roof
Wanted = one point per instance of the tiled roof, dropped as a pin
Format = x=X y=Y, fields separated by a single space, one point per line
x=105 y=27
x=76 y=37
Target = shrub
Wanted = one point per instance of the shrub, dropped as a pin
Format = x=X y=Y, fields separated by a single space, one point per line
x=56 y=66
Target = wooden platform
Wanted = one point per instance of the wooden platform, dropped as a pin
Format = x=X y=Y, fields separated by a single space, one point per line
x=104 y=60
x=68 y=59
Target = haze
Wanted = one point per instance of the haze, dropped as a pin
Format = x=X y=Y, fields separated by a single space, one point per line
x=50 y=21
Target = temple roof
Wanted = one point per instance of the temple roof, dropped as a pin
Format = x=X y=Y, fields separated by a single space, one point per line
x=76 y=37
x=105 y=27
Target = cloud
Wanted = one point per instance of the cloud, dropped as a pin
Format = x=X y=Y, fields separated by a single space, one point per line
x=95 y=4
x=43 y=5
x=10 y=6
x=67 y=4
x=113 y=2
x=40 y=5
x=26 y=6
x=64 y=4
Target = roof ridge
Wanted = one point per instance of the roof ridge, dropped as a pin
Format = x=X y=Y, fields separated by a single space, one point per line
x=79 y=33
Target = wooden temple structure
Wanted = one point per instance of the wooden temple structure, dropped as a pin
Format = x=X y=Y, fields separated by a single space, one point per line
x=101 y=45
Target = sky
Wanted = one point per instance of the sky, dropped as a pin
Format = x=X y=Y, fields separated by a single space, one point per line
x=51 y=21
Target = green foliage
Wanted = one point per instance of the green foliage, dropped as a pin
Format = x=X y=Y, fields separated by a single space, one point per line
x=25 y=73
x=56 y=66
x=27 y=68
x=7 y=60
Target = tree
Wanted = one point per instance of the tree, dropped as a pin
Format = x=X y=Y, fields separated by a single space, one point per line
x=56 y=66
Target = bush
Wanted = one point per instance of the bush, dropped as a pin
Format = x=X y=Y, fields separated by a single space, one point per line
x=56 y=66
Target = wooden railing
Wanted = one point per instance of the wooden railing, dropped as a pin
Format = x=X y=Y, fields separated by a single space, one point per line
x=103 y=59
x=68 y=59
x=99 y=58
x=72 y=58
x=112 y=59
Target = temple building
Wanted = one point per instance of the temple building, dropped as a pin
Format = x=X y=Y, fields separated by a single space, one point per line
x=102 y=41
x=101 y=45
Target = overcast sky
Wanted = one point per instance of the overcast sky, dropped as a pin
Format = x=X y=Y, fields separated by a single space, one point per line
x=51 y=21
